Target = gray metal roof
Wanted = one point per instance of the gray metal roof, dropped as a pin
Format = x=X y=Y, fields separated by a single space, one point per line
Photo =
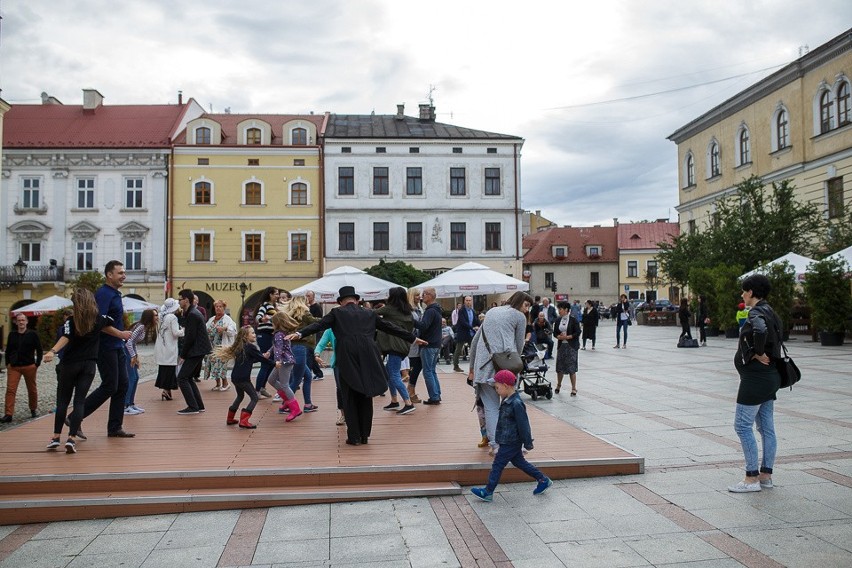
x=389 y=126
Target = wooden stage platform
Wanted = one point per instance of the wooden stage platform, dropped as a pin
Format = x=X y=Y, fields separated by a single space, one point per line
x=193 y=463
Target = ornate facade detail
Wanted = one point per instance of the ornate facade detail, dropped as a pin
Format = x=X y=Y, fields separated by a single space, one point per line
x=84 y=230
x=133 y=231
x=60 y=174
x=29 y=230
x=71 y=160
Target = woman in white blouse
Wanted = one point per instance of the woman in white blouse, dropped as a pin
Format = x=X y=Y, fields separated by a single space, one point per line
x=166 y=349
x=222 y=331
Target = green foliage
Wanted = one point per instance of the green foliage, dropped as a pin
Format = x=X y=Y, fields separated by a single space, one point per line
x=89 y=280
x=839 y=233
x=398 y=272
x=828 y=293
x=782 y=277
x=46 y=328
x=725 y=280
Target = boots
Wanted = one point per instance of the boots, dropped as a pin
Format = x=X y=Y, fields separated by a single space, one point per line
x=244 y=419
x=295 y=411
x=231 y=420
x=483 y=443
x=284 y=408
x=412 y=395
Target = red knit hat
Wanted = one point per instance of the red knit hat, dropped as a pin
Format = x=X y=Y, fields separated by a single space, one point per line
x=742 y=306
x=505 y=377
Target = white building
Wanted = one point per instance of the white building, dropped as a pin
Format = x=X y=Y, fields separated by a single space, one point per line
x=409 y=188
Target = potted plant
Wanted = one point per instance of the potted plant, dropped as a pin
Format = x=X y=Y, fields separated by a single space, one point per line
x=725 y=297
x=782 y=277
x=828 y=294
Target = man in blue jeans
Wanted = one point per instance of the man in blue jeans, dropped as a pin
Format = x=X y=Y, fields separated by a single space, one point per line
x=430 y=331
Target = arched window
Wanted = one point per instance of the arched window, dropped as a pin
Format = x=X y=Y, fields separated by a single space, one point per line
x=843 y=104
x=300 y=137
x=202 y=135
x=715 y=167
x=202 y=193
x=253 y=193
x=744 y=147
x=826 y=112
x=253 y=136
x=690 y=170
x=299 y=194
x=782 y=130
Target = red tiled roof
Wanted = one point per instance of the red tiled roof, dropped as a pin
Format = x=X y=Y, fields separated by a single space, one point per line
x=108 y=126
x=635 y=236
x=229 y=124
x=541 y=245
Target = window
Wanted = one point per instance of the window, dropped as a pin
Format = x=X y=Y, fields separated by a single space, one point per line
x=202 y=135
x=715 y=167
x=253 y=194
x=492 y=181
x=690 y=226
x=381 y=236
x=595 y=280
x=202 y=247
x=835 y=197
x=133 y=255
x=414 y=150
x=299 y=137
x=254 y=161
x=493 y=241
x=31 y=252
x=594 y=251
x=782 y=130
x=253 y=136
x=253 y=247
x=85 y=256
x=559 y=252
x=86 y=193
x=548 y=280
x=346 y=236
x=458 y=236
x=632 y=269
x=414 y=181
x=346 y=150
x=457 y=150
x=690 y=170
x=298 y=246
x=298 y=162
x=826 y=112
x=651 y=268
x=744 y=145
x=843 y=104
x=457 y=178
x=381 y=183
x=414 y=236
x=133 y=193
x=346 y=181
x=491 y=151
x=203 y=161
x=299 y=194
x=381 y=150
x=31 y=197
x=203 y=193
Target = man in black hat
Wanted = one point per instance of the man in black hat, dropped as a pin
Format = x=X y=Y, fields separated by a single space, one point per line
x=359 y=362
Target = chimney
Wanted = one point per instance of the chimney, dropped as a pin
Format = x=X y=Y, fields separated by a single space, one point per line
x=92 y=99
x=180 y=97
x=427 y=113
x=48 y=100
x=615 y=221
x=400 y=111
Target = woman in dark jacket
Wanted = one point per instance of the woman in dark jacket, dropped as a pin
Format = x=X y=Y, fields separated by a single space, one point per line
x=591 y=317
x=683 y=316
x=397 y=310
x=759 y=350
x=702 y=319
x=566 y=329
x=621 y=315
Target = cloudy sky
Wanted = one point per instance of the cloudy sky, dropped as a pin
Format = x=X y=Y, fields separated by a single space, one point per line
x=593 y=87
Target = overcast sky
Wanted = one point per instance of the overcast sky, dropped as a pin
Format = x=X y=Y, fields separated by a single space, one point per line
x=543 y=71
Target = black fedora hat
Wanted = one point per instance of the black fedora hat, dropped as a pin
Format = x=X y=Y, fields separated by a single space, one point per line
x=347 y=292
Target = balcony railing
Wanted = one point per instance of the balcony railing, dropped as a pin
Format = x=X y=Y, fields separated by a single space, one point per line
x=33 y=273
x=39 y=210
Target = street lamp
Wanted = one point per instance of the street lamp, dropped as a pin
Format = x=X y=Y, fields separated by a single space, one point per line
x=20 y=269
x=243 y=289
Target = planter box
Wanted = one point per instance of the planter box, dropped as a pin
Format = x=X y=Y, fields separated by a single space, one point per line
x=732 y=333
x=830 y=339
x=662 y=318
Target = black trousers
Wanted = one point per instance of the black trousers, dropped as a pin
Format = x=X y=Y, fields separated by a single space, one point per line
x=112 y=367
x=358 y=411
x=244 y=388
x=684 y=331
x=74 y=381
x=414 y=371
x=187 y=385
x=702 y=332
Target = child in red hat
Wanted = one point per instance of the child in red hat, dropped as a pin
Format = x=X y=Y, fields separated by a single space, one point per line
x=513 y=435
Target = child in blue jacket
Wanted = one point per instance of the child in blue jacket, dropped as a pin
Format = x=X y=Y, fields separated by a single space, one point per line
x=513 y=434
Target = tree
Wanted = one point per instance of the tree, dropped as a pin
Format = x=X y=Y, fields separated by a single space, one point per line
x=89 y=280
x=839 y=233
x=398 y=272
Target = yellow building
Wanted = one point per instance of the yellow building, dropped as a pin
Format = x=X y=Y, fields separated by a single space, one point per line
x=245 y=204
x=795 y=124
x=639 y=273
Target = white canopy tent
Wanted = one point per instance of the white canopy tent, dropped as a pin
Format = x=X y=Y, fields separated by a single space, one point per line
x=326 y=288
x=799 y=263
x=46 y=306
x=136 y=306
x=473 y=278
x=845 y=254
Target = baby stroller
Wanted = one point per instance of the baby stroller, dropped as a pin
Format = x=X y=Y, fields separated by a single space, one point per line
x=532 y=380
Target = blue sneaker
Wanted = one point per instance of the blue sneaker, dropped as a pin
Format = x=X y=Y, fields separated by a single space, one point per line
x=542 y=486
x=483 y=494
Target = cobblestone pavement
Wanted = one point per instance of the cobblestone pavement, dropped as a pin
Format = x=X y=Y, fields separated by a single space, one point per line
x=672 y=406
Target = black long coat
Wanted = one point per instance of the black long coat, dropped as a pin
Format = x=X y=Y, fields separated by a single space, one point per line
x=359 y=361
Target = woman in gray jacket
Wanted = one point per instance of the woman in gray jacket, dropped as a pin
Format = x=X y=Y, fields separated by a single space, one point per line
x=504 y=328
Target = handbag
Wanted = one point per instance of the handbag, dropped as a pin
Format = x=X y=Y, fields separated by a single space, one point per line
x=789 y=371
x=505 y=360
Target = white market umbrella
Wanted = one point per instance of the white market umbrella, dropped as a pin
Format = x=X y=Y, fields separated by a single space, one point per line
x=845 y=254
x=799 y=263
x=472 y=278
x=136 y=306
x=326 y=288
x=46 y=306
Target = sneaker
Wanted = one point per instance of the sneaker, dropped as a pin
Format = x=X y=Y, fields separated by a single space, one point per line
x=542 y=486
x=283 y=409
x=394 y=406
x=432 y=401
x=766 y=483
x=310 y=408
x=407 y=409
x=276 y=398
x=340 y=419
x=53 y=444
x=216 y=388
x=264 y=394
x=483 y=494
x=139 y=409
x=743 y=487
x=130 y=411
x=70 y=447
x=318 y=378
x=34 y=413
x=187 y=410
x=81 y=436
x=226 y=387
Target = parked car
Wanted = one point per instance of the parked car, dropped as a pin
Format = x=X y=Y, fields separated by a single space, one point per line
x=660 y=305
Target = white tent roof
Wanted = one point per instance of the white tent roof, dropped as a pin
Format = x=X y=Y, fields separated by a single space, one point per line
x=473 y=278
x=327 y=287
x=800 y=265
x=46 y=306
x=845 y=254
x=136 y=306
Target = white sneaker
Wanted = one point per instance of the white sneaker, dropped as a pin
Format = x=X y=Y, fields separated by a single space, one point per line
x=766 y=483
x=743 y=487
x=276 y=398
x=130 y=411
x=137 y=408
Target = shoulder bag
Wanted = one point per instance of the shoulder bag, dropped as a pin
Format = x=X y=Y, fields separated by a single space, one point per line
x=790 y=374
x=507 y=360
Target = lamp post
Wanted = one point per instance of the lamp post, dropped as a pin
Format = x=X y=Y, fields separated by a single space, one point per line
x=243 y=289
x=20 y=269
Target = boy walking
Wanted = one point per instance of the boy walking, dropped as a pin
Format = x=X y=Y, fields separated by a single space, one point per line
x=513 y=434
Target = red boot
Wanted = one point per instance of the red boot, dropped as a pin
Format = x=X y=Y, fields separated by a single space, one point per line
x=231 y=420
x=295 y=411
x=284 y=408
x=244 y=419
